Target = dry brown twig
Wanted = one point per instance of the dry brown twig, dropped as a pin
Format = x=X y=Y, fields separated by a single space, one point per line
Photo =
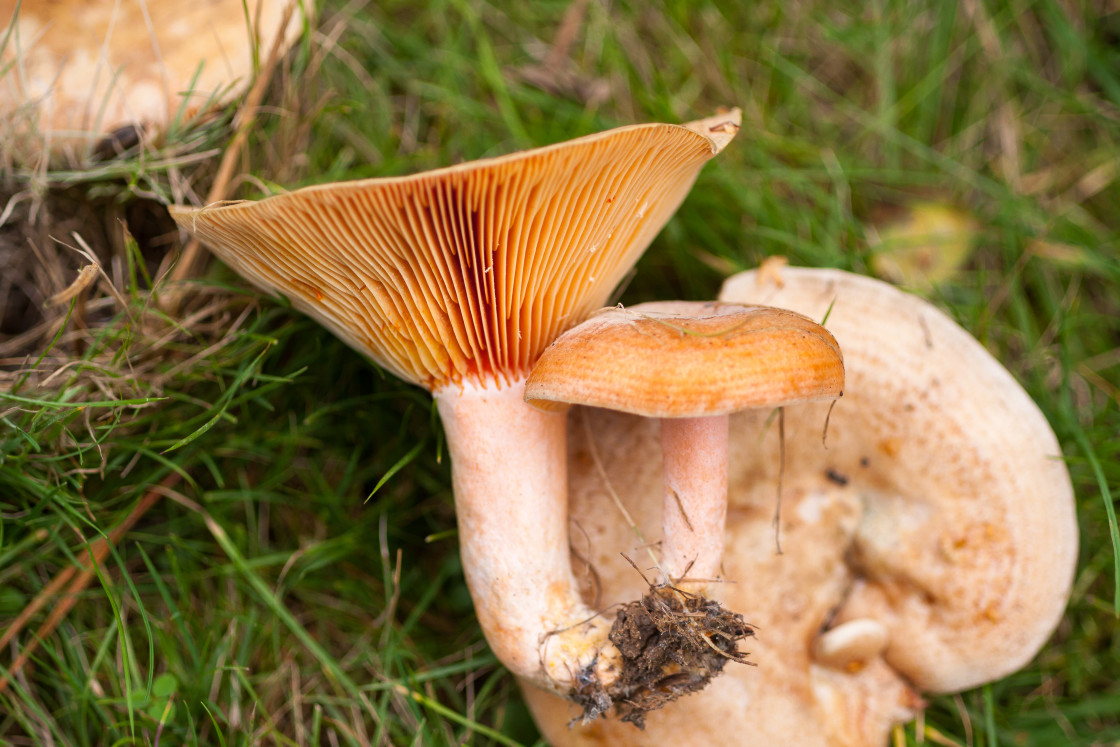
x=190 y=262
x=78 y=579
x=556 y=72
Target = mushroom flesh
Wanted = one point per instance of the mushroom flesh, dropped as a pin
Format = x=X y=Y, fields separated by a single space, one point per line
x=77 y=71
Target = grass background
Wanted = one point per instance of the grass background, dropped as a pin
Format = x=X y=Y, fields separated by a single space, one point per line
x=297 y=579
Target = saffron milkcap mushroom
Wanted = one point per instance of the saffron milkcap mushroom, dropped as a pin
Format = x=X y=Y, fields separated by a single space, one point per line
x=690 y=364
x=931 y=547
x=456 y=280
x=76 y=71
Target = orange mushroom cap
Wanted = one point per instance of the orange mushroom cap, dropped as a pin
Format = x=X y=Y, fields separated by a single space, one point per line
x=467 y=272
x=687 y=359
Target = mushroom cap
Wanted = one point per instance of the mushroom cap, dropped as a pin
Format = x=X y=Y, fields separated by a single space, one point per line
x=467 y=272
x=76 y=70
x=689 y=359
x=967 y=544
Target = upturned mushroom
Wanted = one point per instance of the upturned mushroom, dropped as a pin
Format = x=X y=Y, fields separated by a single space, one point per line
x=456 y=280
x=76 y=71
x=930 y=548
x=690 y=365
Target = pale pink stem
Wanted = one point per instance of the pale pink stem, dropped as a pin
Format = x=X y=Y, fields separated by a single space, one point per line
x=694 y=460
x=510 y=475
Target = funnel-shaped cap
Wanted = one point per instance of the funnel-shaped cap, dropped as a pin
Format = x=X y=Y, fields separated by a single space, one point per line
x=468 y=271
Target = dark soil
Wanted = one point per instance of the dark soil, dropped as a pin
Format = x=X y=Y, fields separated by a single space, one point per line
x=38 y=256
x=672 y=643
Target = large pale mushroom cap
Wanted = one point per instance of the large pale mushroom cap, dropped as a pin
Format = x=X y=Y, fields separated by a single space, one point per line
x=933 y=542
x=75 y=70
x=967 y=543
x=688 y=359
x=467 y=272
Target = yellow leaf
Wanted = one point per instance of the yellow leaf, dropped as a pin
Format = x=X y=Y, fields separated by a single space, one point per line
x=923 y=246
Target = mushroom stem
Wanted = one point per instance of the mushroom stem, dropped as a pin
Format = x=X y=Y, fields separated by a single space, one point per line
x=694 y=461
x=510 y=476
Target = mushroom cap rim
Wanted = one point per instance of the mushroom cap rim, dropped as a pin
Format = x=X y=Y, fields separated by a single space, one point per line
x=731 y=117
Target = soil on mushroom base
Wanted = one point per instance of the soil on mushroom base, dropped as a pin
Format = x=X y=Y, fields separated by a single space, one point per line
x=672 y=643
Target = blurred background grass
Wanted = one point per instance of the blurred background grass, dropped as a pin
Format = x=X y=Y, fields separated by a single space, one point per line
x=296 y=580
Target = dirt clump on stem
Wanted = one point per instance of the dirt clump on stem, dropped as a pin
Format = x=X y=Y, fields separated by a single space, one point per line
x=672 y=643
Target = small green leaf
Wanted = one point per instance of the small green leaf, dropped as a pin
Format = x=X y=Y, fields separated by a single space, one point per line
x=165 y=685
